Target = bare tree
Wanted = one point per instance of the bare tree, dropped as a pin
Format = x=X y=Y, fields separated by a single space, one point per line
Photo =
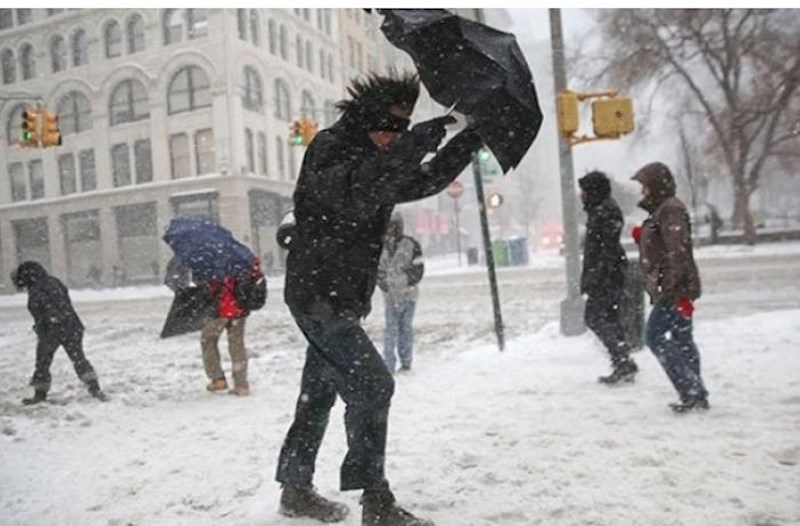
x=741 y=67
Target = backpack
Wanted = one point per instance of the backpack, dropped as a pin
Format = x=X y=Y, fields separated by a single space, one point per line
x=250 y=289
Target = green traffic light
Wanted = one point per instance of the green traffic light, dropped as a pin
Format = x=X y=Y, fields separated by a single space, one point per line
x=296 y=139
x=483 y=154
x=27 y=136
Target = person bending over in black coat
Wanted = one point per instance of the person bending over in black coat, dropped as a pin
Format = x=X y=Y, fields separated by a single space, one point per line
x=604 y=263
x=56 y=324
x=353 y=175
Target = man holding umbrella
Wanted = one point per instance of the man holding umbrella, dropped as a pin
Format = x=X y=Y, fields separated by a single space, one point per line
x=353 y=175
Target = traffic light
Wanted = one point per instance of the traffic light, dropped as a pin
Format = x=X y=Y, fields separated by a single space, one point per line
x=495 y=200
x=31 y=126
x=308 y=129
x=51 y=134
x=612 y=117
x=295 y=135
x=567 y=102
x=483 y=154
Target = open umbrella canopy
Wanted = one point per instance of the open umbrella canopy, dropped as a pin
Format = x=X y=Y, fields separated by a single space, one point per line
x=479 y=69
x=209 y=250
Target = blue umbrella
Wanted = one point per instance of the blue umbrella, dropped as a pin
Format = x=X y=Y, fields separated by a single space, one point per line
x=209 y=250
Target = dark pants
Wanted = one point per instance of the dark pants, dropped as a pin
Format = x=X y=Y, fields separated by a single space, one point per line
x=340 y=360
x=604 y=317
x=45 y=350
x=669 y=336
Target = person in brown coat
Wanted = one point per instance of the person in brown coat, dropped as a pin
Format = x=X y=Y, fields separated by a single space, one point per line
x=673 y=283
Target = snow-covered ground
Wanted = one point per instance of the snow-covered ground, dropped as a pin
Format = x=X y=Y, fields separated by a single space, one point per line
x=477 y=437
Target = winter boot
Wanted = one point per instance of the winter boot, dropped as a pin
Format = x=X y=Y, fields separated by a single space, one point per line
x=220 y=384
x=242 y=389
x=304 y=501
x=691 y=403
x=39 y=395
x=624 y=372
x=381 y=509
x=94 y=390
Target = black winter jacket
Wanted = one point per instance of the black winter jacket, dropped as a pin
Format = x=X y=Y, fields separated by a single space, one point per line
x=342 y=204
x=48 y=302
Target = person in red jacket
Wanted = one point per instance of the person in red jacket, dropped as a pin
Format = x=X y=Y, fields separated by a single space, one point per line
x=228 y=316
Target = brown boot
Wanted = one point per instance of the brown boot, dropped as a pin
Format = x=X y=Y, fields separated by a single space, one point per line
x=220 y=384
x=304 y=501
x=381 y=509
x=241 y=390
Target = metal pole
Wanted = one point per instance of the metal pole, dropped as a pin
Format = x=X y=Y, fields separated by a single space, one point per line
x=487 y=248
x=456 y=210
x=573 y=306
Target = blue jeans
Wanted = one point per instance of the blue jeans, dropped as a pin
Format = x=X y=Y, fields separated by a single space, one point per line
x=669 y=336
x=399 y=334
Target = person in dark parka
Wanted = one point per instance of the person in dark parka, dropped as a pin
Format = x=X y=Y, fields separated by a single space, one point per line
x=604 y=263
x=353 y=175
x=56 y=324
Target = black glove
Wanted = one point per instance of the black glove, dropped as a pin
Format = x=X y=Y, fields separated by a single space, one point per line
x=428 y=134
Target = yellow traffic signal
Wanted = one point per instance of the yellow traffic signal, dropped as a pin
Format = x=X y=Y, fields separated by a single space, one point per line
x=308 y=129
x=51 y=135
x=295 y=135
x=567 y=102
x=612 y=117
x=31 y=126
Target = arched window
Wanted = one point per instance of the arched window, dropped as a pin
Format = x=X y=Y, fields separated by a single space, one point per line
x=298 y=44
x=273 y=37
x=330 y=113
x=284 y=43
x=128 y=102
x=27 y=61
x=80 y=53
x=58 y=54
x=173 y=26
x=113 y=40
x=189 y=90
x=135 y=32
x=282 y=104
x=14 y=125
x=9 y=65
x=197 y=22
x=308 y=108
x=255 y=32
x=252 y=94
x=309 y=56
x=241 y=21
x=74 y=113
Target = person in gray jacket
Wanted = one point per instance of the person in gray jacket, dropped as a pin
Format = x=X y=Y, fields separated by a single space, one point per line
x=399 y=271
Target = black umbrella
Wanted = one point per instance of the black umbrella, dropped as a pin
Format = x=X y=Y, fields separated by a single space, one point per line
x=479 y=69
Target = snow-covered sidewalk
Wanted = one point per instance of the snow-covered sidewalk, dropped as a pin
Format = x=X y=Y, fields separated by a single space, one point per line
x=477 y=437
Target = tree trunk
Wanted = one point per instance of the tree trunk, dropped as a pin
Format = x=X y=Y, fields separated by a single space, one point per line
x=742 y=216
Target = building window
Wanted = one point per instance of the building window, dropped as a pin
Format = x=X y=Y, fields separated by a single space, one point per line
x=249 y=153
x=205 y=151
x=173 y=26
x=284 y=43
x=54 y=12
x=143 y=160
x=128 y=102
x=255 y=33
x=121 y=165
x=19 y=190
x=6 y=18
x=36 y=173
x=359 y=54
x=330 y=113
x=66 y=172
x=135 y=31
x=273 y=37
x=74 y=113
x=351 y=52
x=24 y=16
x=330 y=67
x=86 y=166
x=241 y=20
x=197 y=22
x=113 y=40
x=309 y=57
x=27 y=60
x=179 y=156
x=279 y=156
x=321 y=63
x=80 y=52
x=298 y=43
x=328 y=22
x=189 y=90
x=252 y=95
x=9 y=65
x=308 y=108
x=262 y=153
x=320 y=22
x=282 y=105
x=14 y=125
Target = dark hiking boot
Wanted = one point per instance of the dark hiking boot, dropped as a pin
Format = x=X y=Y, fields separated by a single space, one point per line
x=381 y=509
x=304 y=501
x=622 y=373
x=95 y=391
x=692 y=403
x=38 y=396
x=220 y=384
x=405 y=368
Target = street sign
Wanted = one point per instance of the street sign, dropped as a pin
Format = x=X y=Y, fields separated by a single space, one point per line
x=455 y=189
